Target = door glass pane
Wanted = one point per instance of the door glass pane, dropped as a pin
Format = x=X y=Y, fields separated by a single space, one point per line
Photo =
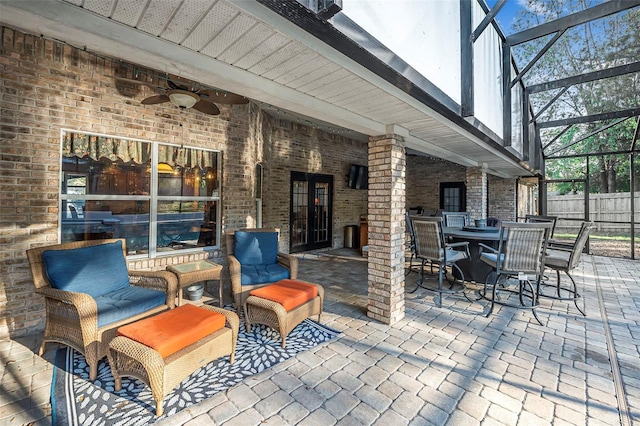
x=452 y=199
x=321 y=212
x=300 y=208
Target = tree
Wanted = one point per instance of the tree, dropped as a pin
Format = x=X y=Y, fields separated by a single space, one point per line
x=596 y=45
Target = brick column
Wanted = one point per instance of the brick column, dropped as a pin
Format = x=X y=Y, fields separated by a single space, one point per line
x=477 y=192
x=386 y=207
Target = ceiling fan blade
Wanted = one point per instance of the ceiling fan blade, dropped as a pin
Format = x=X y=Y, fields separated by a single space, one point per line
x=173 y=85
x=222 y=97
x=206 y=107
x=157 y=99
x=132 y=81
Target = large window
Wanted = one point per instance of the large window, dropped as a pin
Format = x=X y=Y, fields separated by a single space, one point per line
x=159 y=197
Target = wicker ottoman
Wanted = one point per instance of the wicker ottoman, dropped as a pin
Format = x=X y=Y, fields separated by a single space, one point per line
x=258 y=310
x=130 y=358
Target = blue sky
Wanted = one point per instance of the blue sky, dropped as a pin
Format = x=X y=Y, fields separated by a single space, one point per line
x=507 y=13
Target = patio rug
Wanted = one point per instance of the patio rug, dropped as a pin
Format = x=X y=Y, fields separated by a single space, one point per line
x=77 y=401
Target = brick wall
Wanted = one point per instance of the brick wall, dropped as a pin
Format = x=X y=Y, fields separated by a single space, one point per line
x=502 y=198
x=299 y=148
x=47 y=86
x=424 y=176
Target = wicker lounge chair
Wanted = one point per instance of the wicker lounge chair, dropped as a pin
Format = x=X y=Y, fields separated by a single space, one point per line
x=253 y=273
x=72 y=316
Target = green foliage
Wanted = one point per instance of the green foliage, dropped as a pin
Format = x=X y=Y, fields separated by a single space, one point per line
x=599 y=44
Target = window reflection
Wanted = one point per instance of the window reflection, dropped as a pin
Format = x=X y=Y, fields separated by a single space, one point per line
x=107 y=192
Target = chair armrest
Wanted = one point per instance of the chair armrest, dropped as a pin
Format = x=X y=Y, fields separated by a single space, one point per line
x=70 y=297
x=559 y=245
x=464 y=244
x=84 y=306
x=290 y=262
x=489 y=248
x=231 y=318
x=460 y=244
x=235 y=275
x=157 y=280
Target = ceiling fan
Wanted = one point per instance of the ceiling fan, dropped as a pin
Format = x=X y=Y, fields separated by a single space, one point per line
x=201 y=100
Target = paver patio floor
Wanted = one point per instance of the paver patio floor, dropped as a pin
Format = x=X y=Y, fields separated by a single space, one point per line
x=448 y=365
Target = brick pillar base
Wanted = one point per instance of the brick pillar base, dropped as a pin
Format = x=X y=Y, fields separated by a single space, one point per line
x=386 y=228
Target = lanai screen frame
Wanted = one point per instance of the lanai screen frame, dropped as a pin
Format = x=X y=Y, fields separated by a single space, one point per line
x=530 y=120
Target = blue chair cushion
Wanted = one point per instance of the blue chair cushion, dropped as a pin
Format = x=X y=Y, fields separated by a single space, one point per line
x=259 y=274
x=455 y=255
x=256 y=248
x=127 y=302
x=491 y=258
x=94 y=270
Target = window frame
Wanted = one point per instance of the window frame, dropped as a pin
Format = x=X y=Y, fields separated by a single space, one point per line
x=153 y=198
x=461 y=187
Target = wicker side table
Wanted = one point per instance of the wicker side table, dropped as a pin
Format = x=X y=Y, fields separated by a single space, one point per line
x=194 y=272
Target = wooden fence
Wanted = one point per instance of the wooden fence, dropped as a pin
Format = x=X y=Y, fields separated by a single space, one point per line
x=615 y=207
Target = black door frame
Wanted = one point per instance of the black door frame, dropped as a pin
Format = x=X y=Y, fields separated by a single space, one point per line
x=311 y=179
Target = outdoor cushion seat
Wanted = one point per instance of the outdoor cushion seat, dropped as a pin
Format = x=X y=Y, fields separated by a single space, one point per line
x=557 y=259
x=89 y=293
x=288 y=293
x=517 y=265
x=126 y=303
x=455 y=255
x=175 y=329
x=258 y=274
x=163 y=350
x=491 y=258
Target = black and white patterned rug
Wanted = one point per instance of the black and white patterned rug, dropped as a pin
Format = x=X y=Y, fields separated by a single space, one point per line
x=77 y=401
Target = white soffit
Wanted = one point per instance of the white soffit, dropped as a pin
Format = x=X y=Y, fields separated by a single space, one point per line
x=243 y=47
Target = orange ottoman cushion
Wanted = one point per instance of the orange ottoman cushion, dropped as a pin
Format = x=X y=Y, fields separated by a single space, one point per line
x=289 y=293
x=173 y=330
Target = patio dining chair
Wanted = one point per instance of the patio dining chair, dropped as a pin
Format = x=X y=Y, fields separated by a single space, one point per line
x=519 y=259
x=431 y=247
x=411 y=243
x=533 y=218
x=562 y=258
x=456 y=219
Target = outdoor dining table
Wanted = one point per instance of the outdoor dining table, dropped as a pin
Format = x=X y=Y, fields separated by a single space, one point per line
x=473 y=268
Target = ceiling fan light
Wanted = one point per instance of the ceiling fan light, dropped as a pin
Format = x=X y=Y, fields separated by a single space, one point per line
x=183 y=99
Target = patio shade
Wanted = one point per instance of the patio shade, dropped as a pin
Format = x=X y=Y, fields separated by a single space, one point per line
x=129 y=151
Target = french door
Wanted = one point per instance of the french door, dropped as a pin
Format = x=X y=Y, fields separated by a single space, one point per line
x=311 y=211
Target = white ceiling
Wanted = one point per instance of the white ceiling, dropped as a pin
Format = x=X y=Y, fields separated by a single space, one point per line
x=243 y=47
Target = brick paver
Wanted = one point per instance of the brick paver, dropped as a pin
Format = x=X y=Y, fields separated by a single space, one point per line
x=448 y=365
